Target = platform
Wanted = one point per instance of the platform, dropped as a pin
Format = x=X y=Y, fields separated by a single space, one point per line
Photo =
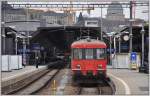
x=15 y=73
x=129 y=82
x=18 y=78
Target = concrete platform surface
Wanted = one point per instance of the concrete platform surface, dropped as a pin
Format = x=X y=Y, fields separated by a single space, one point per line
x=129 y=81
x=17 y=79
x=16 y=73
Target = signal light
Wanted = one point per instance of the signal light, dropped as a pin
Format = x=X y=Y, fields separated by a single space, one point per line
x=99 y=66
x=78 y=66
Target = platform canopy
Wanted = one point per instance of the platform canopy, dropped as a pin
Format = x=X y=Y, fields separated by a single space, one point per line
x=63 y=36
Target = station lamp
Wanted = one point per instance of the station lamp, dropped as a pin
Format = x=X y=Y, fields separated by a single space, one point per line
x=126 y=36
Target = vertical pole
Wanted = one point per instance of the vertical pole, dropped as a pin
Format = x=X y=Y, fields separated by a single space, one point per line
x=27 y=24
x=28 y=37
x=119 y=44
x=3 y=35
x=36 y=55
x=16 y=41
x=148 y=34
x=1 y=38
x=114 y=45
x=27 y=19
x=110 y=49
x=24 y=51
x=130 y=50
x=142 y=32
x=114 y=57
x=101 y=23
x=3 y=30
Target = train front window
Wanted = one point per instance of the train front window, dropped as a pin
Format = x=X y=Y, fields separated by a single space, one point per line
x=89 y=54
x=95 y=53
x=100 y=53
x=77 y=53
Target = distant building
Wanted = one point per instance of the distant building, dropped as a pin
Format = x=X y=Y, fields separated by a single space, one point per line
x=55 y=18
x=113 y=20
x=91 y=23
x=14 y=15
x=10 y=14
x=115 y=12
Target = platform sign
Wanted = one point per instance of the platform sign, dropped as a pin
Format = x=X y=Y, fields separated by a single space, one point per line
x=133 y=56
x=112 y=50
x=133 y=59
x=21 y=50
x=36 y=46
x=124 y=47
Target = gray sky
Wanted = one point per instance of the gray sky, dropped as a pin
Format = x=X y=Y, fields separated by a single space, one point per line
x=97 y=12
x=138 y=12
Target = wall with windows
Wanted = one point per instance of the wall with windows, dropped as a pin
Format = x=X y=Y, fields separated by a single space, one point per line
x=14 y=17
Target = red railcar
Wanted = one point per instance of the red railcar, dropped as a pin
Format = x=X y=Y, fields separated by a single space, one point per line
x=88 y=58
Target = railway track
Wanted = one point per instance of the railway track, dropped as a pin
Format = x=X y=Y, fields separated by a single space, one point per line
x=43 y=86
x=105 y=88
x=89 y=91
x=38 y=84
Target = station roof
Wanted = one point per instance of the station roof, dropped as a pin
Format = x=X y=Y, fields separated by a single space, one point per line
x=63 y=36
x=137 y=29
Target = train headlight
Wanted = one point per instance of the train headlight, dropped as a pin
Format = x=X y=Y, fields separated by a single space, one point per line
x=99 y=66
x=78 y=66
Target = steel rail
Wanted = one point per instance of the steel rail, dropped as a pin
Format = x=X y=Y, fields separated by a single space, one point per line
x=79 y=91
x=46 y=83
x=106 y=87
